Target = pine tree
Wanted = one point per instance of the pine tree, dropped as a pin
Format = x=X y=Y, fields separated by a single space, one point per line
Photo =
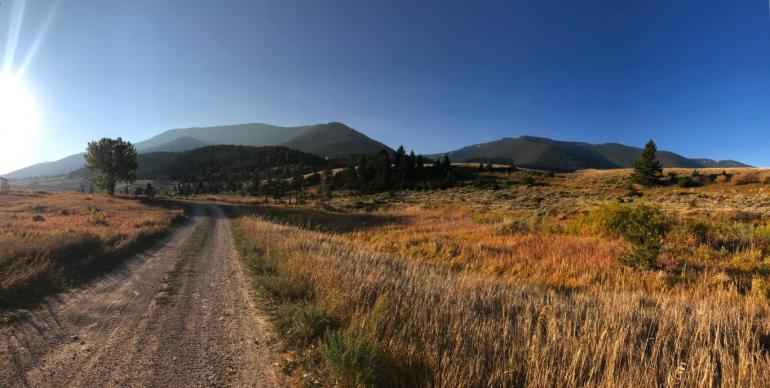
x=647 y=170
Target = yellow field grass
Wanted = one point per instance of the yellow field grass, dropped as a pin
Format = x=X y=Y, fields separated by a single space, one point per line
x=511 y=285
x=451 y=328
x=50 y=240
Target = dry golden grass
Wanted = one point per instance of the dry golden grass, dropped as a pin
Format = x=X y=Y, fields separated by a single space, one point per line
x=451 y=328
x=51 y=240
x=507 y=285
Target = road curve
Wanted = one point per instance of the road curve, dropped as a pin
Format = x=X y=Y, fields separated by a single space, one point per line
x=117 y=332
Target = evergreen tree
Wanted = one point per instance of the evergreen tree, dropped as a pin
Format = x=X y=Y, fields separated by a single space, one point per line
x=647 y=170
x=446 y=165
x=382 y=172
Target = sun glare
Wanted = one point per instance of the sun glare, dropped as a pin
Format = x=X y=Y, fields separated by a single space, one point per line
x=18 y=123
x=18 y=110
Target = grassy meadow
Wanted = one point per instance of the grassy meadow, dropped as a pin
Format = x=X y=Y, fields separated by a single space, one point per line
x=515 y=279
x=50 y=241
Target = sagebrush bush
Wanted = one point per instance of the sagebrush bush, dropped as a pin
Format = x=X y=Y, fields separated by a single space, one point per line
x=310 y=323
x=643 y=226
x=745 y=177
x=352 y=356
x=687 y=181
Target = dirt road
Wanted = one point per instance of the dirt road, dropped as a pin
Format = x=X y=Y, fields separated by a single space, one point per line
x=127 y=330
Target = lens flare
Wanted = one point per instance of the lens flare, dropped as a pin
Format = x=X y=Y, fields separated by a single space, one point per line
x=18 y=111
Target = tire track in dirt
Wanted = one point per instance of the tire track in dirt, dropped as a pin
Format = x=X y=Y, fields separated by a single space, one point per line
x=118 y=332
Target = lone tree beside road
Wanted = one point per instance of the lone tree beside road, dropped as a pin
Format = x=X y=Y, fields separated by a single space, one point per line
x=114 y=160
x=648 y=170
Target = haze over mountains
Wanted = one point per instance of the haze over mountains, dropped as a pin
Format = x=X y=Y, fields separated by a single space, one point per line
x=336 y=140
x=541 y=153
x=333 y=140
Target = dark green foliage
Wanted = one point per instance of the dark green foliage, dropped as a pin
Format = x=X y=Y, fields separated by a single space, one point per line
x=647 y=170
x=641 y=225
x=687 y=181
x=402 y=172
x=113 y=160
x=223 y=163
x=352 y=356
x=310 y=323
x=149 y=190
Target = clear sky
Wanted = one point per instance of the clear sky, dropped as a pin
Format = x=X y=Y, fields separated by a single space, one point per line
x=433 y=75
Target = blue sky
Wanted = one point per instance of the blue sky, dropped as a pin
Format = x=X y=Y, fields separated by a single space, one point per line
x=432 y=75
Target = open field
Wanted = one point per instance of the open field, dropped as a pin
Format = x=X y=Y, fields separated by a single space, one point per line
x=51 y=241
x=500 y=282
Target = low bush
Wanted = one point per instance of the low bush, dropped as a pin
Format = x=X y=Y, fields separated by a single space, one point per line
x=643 y=226
x=687 y=181
x=352 y=356
x=745 y=177
x=310 y=323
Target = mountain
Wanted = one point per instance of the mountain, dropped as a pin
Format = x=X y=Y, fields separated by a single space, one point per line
x=221 y=163
x=326 y=140
x=181 y=144
x=59 y=167
x=548 y=154
x=720 y=163
x=335 y=140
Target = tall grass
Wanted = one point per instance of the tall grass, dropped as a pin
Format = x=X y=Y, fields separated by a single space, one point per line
x=450 y=328
x=51 y=241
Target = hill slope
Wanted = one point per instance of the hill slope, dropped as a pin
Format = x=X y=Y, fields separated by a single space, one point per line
x=59 y=167
x=184 y=143
x=334 y=140
x=219 y=163
x=548 y=154
x=331 y=139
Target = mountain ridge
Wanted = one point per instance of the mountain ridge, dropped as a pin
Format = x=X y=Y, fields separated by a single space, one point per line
x=337 y=140
x=331 y=140
x=557 y=155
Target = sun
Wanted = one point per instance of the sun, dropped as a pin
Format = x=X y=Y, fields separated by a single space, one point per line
x=18 y=110
x=18 y=123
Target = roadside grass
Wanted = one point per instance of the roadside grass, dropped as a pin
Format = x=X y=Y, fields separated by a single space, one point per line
x=404 y=322
x=191 y=248
x=328 y=353
x=49 y=242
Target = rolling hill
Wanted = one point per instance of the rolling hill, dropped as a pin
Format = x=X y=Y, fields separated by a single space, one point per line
x=59 y=167
x=548 y=154
x=333 y=140
x=182 y=144
x=221 y=163
x=326 y=140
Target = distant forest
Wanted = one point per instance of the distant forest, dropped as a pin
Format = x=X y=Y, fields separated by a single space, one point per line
x=278 y=171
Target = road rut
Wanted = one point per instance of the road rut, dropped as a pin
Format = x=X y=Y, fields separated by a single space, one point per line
x=122 y=331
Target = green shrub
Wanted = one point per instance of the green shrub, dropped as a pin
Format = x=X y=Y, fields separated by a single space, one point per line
x=310 y=323
x=643 y=226
x=687 y=181
x=352 y=356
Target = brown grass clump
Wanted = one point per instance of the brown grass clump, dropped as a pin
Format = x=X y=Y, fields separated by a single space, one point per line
x=745 y=177
x=49 y=241
x=451 y=328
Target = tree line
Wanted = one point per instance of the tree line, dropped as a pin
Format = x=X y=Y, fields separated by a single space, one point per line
x=402 y=172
